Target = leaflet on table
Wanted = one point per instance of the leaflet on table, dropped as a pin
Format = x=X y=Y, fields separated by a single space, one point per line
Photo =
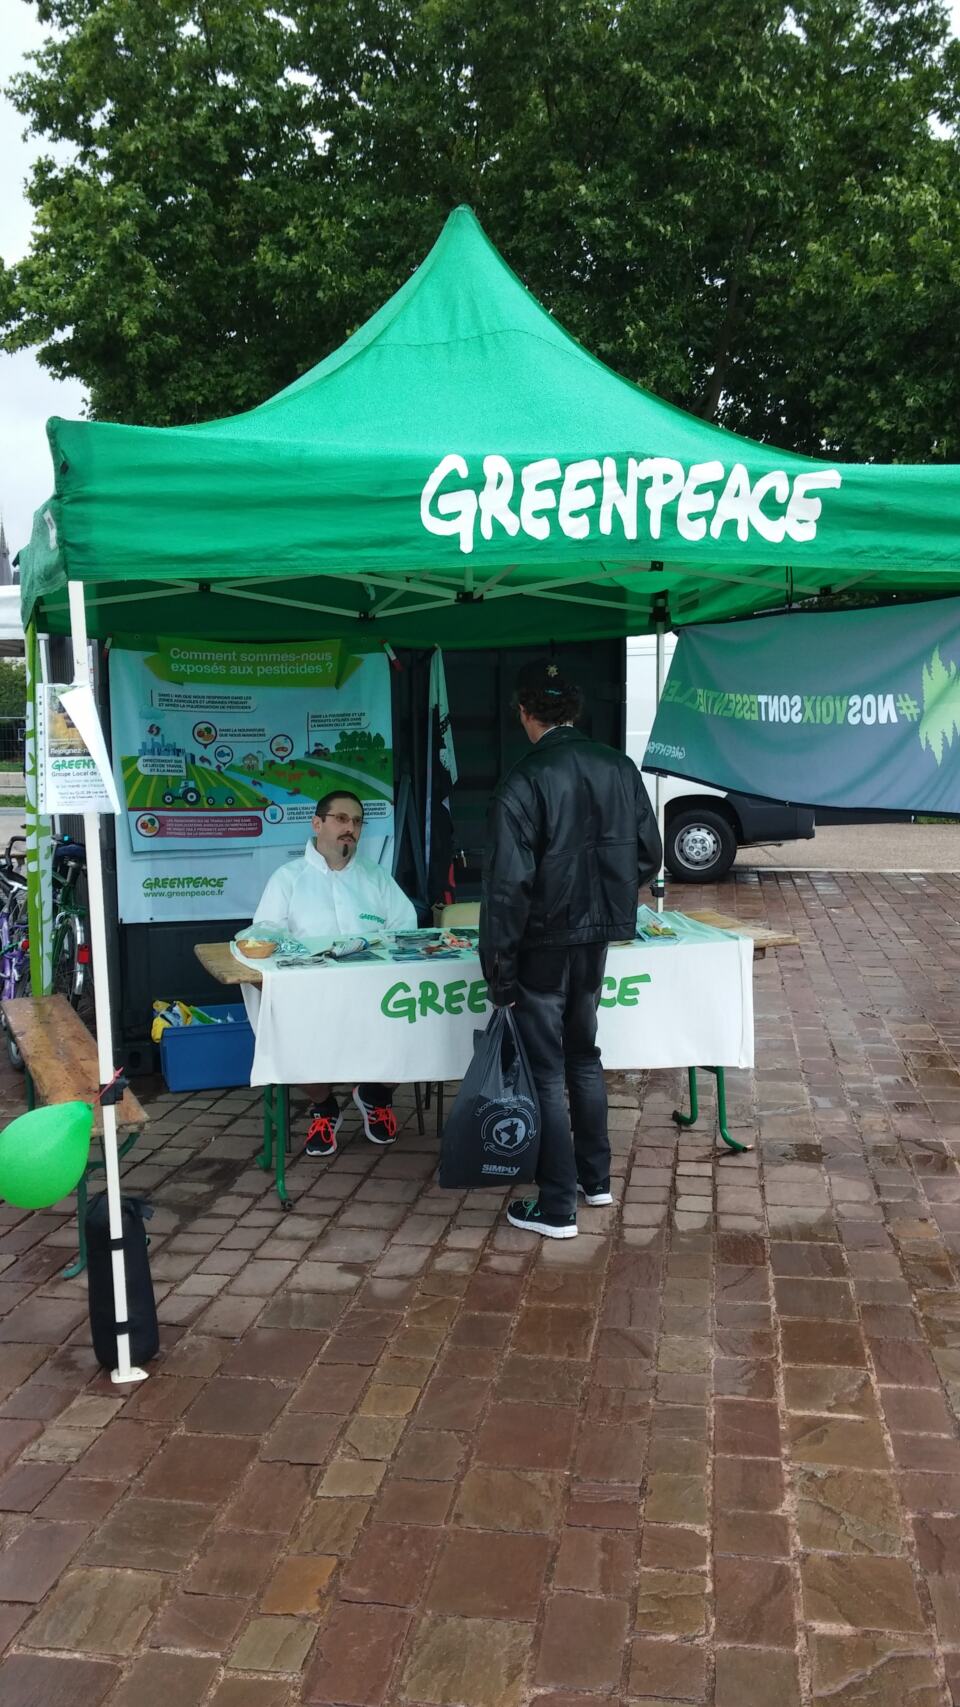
x=288 y=954
x=224 y=747
x=663 y=929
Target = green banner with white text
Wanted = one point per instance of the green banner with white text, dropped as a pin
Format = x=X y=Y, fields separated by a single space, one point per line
x=857 y=709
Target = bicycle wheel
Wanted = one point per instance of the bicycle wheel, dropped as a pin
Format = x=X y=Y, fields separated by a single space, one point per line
x=21 y=981
x=14 y=965
x=65 y=968
x=84 y=1002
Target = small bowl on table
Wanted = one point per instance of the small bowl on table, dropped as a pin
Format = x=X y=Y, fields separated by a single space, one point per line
x=255 y=948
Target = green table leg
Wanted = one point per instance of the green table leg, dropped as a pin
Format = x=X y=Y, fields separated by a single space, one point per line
x=283 y=1139
x=77 y=1267
x=689 y=1119
x=265 y=1158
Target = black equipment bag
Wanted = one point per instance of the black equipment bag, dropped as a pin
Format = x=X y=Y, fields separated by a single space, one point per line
x=492 y=1134
x=141 y=1305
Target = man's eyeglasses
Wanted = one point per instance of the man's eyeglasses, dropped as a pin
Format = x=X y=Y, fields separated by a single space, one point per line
x=346 y=820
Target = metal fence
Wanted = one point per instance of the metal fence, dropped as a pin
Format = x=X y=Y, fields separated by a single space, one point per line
x=12 y=731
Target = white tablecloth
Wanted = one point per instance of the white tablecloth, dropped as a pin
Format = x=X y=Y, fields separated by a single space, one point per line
x=666 y=1004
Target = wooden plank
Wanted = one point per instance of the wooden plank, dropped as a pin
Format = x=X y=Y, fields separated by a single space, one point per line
x=216 y=958
x=763 y=937
x=61 y=1057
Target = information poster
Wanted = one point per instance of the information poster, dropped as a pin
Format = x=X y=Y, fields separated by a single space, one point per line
x=221 y=752
x=74 y=775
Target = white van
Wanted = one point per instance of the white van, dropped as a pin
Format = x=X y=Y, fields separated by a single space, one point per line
x=703 y=826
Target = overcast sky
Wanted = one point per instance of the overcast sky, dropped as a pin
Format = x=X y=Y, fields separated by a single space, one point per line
x=28 y=395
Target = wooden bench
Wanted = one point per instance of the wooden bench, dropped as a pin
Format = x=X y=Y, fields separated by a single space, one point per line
x=60 y=1062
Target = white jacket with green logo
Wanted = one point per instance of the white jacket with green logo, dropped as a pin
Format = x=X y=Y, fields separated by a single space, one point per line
x=312 y=900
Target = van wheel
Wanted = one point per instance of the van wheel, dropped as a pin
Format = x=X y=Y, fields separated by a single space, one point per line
x=700 y=846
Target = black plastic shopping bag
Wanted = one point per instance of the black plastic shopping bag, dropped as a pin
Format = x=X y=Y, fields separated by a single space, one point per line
x=492 y=1133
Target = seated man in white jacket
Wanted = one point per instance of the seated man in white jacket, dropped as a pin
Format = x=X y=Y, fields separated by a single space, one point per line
x=333 y=892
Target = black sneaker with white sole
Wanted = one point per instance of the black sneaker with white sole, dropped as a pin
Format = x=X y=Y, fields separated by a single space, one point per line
x=525 y=1213
x=597 y=1199
x=326 y=1118
x=379 y=1120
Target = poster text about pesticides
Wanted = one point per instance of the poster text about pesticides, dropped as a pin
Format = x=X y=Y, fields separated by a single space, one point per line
x=221 y=747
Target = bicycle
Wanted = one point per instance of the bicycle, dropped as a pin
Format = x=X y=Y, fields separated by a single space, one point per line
x=71 y=966
x=71 y=961
x=14 y=944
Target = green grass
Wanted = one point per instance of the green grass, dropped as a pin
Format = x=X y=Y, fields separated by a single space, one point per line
x=13 y=802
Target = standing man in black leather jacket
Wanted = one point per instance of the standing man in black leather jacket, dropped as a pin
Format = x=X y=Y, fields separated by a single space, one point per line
x=572 y=836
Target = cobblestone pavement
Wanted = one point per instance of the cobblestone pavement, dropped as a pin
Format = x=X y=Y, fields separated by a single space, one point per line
x=397 y=1452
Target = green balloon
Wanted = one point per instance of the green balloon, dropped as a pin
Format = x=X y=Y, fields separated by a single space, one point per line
x=43 y=1154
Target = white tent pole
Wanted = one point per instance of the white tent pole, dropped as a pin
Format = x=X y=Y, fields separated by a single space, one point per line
x=658 y=786
x=101 y=991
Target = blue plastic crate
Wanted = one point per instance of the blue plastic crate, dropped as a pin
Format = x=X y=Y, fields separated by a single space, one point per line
x=209 y=1057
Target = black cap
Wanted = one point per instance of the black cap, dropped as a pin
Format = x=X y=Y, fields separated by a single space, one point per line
x=543 y=676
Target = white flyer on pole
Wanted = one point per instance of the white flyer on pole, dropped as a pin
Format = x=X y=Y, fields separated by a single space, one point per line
x=74 y=773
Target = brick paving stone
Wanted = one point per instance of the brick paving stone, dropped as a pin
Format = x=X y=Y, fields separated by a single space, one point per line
x=754 y=1602
x=273 y=1644
x=760 y=1677
x=484 y=1575
x=26 y=1485
x=531 y=1437
x=197 y=1467
x=35 y=1558
x=390 y=1565
x=882 y=1670
x=252 y=1692
x=96 y=1611
x=863 y=1593
x=670 y=1671
x=582 y=1642
x=430 y=1457
x=299 y=1584
x=847 y=1511
x=234 y=1407
x=356 y=1655
x=510 y=1499
x=165 y=1680
x=40 y=1680
x=670 y=1603
x=467 y=1661
x=300 y=1439
x=332 y=1526
x=200 y=1623
x=414 y=1502
x=232 y=1566
x=596 y=1561
x=270 y=1498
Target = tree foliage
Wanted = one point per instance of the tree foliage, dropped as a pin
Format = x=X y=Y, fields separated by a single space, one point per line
x=13 y=689
x=750 y=207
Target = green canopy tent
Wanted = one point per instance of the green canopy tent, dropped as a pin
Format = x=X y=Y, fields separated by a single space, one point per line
x=462 y=470
x=461 y=473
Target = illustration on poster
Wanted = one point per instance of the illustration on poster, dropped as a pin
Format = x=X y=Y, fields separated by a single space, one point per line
x=222 y=767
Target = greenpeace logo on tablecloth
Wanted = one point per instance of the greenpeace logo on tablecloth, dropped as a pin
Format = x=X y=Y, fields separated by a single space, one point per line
x=461 y=995
x=624 y=497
